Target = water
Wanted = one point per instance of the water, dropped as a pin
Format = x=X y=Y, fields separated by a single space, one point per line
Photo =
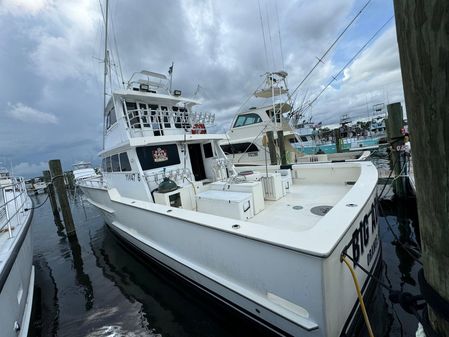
x=94 y=286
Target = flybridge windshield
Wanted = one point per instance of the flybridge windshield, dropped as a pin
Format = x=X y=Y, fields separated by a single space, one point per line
x=248 y=119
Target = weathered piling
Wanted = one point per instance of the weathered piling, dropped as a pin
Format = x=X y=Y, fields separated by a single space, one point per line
x=58 y=180
x=51 y=193
x=281 y=145
x=272 y=148
x=395 y=125
x=337 y=140
x=70 y=180
x=424 y=53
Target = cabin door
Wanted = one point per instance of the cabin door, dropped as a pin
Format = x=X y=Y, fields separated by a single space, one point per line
x=196 y=159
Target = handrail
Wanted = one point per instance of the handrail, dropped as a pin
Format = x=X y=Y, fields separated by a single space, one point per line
x=93 y=181
x=158 y=119
x=16 y=185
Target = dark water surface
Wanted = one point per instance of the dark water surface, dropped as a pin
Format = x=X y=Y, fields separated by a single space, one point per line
x=92 y=285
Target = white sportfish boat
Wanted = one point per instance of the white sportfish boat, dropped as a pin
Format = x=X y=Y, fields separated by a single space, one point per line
x=245 y=143
x=16 y=256
x=83 y=169
x=264 y=240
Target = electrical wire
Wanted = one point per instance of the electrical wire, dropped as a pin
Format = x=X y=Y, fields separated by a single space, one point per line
x=388 y=287
x=334 y=78
x=359 y=295
x=35 y=207
x=320 y=60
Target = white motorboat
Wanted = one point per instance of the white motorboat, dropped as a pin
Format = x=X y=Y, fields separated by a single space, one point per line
x=83 y=169
x=264 y=240
x=39 y=186
x=16 y=256
x=246 y=143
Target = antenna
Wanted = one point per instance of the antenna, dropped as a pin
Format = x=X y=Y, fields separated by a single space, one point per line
x=106 y=61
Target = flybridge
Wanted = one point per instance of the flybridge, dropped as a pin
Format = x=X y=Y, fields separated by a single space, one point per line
x=147 y=107
x=152 y=82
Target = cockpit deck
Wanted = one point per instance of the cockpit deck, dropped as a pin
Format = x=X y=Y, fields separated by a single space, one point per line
x=302 y=208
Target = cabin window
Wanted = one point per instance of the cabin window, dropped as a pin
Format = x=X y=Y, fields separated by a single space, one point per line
x=278 y=115
x=111 y=118
x=151 y=157
x=248 y=119
x=304 y=138
x=103 y=165
x=144 y=115
x=208 y=153
x=166 y=115
x=124 y=162
x=185 y=118
x=239 y=148
x=115 y=163
x=108 y=164
x=133 y=114
x=177 y=117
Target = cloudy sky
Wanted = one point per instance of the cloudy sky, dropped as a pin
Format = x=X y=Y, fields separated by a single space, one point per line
x=51 y=51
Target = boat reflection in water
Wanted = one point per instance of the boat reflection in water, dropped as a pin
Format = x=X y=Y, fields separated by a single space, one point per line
x=169 y=305
x=91 y=285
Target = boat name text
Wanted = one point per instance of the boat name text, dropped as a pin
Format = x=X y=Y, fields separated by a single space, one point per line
x=132 y=176
x=361 y=237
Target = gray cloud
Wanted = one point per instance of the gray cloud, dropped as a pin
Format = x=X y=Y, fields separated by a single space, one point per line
x=51 y=51
x=27 y=114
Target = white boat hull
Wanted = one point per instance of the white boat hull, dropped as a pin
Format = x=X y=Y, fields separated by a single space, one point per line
x=17 y=283
x=252 y=276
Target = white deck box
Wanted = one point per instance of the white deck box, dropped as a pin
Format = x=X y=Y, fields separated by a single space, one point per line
x=255 y=176
x=272 y=186
x=287 y=181
x=253 y=187
x=236 y=205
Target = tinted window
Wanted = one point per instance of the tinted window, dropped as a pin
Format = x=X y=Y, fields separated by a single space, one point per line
x=239 y=148
x=103 y=165
x=248 y=119
x=240 y=121
x=115 y=163
x=108 y=164
x=112 y=116
x=208 y=150
x=131 y=106
x=124 y=162
x=151 y=157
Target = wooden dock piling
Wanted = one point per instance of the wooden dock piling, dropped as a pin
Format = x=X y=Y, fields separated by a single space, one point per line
x=337 y=140
x=424 y=53
x=395 y=125
x=70 y=180
x=51 y=193
x=272 y=148
x=58 y=180
x=281 y=145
